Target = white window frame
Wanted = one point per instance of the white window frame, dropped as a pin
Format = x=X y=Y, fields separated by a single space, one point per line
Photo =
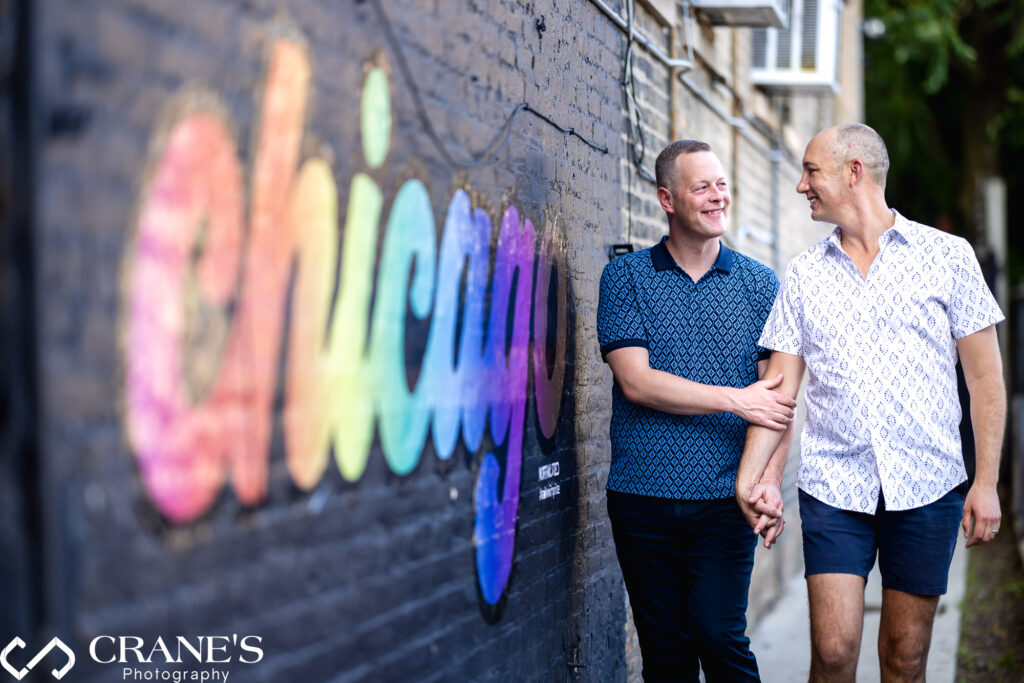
x=794 y=78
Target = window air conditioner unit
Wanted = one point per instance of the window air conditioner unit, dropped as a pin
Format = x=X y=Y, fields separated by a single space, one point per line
x=743 y=12
x=804 y=57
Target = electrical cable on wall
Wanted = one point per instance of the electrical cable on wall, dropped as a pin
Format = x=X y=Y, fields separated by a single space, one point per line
x=637 y=140
x=635 y=127
x=497 y=145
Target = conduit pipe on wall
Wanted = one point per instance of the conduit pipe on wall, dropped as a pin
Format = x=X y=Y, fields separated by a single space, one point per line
x=776 y=159
x=671 y=62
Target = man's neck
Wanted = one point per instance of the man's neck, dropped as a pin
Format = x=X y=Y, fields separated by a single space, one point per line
x=695 y=256
x=860 y=231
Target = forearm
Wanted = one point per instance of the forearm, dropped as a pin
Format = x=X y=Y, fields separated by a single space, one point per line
x=983 y=372
x=643 y=385
x=773 y=471
x=761 y=446
x=673 y=394
x=765 y=450
x=988 y=419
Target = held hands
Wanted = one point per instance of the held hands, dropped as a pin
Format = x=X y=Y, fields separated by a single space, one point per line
x=759 y=405
x=981 y=514
x=762 y=507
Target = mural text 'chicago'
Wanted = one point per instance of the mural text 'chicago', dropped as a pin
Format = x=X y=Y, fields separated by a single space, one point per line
x=207 y=282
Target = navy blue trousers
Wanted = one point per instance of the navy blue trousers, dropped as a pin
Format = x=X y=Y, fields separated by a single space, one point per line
x=687 y=568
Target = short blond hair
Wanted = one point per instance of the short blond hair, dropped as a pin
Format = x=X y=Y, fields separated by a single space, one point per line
x=664 y=166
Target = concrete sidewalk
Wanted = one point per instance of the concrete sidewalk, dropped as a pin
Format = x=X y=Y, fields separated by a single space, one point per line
x=781 y=640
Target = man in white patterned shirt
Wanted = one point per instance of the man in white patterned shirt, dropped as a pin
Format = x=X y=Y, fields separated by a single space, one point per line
x=878 y=313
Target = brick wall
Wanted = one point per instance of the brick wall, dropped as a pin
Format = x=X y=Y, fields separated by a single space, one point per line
x=207 y=352
x=298 y=372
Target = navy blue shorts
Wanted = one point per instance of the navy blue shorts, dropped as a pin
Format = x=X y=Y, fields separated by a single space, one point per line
x=915 y=547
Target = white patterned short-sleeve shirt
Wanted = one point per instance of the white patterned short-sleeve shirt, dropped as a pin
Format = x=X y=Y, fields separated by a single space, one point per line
x=882 y=405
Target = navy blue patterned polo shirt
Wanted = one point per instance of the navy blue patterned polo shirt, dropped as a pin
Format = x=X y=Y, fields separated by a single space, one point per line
x=705 y=331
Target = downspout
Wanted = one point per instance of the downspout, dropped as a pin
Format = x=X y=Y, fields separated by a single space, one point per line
x=775 y=157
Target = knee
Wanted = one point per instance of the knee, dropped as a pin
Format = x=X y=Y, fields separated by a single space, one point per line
x=835 y=653
x=721 y=631
x=726 y=656
x=720 y=645
x=904 y=658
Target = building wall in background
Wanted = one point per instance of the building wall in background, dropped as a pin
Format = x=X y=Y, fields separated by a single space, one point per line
x=303 y=374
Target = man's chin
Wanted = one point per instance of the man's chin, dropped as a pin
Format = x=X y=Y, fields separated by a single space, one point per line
x=819 y=216
x=716 y=227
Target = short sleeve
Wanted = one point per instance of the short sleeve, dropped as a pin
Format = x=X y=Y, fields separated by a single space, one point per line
x=620 y=322
x=783 y=330
x=971 y=306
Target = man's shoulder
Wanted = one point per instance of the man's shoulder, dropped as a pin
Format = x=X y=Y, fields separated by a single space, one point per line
x=629 y=269
x=925 y=236
x=752 y=270
x=640 y=258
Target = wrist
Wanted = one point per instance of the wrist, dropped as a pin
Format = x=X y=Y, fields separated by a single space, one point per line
x=731 y=400
x=771 y=476
x=744 y=486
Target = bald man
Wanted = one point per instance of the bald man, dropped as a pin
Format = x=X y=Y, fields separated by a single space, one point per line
x=878 y=313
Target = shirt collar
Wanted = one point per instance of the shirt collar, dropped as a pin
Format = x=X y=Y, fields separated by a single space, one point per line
x=901 y=228
x=662 y=259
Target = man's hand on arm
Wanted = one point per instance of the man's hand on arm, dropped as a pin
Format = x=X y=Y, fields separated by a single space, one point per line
x=983 y=370
x=669 y=393
x=759 y=479
x=760 y=404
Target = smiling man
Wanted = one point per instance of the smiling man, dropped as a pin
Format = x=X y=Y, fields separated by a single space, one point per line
x=678 y=324
x=878 y=312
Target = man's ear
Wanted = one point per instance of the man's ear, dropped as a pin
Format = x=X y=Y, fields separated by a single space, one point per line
x=665 y=199
x=856 y=172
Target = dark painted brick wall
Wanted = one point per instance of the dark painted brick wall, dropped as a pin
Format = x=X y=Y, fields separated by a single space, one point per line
x=367 y=579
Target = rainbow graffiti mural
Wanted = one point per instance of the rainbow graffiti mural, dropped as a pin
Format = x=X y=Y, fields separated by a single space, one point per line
x=200 y=255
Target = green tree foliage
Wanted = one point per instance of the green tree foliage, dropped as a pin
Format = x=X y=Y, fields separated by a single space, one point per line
x=945 y=87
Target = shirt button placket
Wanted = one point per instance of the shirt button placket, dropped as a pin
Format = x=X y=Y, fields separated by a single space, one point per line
x=873 y=365
x=689 y=286
x=866 y=392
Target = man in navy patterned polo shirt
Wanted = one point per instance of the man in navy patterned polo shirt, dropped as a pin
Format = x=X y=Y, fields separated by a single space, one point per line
x=878 y=313
x=678 y=324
